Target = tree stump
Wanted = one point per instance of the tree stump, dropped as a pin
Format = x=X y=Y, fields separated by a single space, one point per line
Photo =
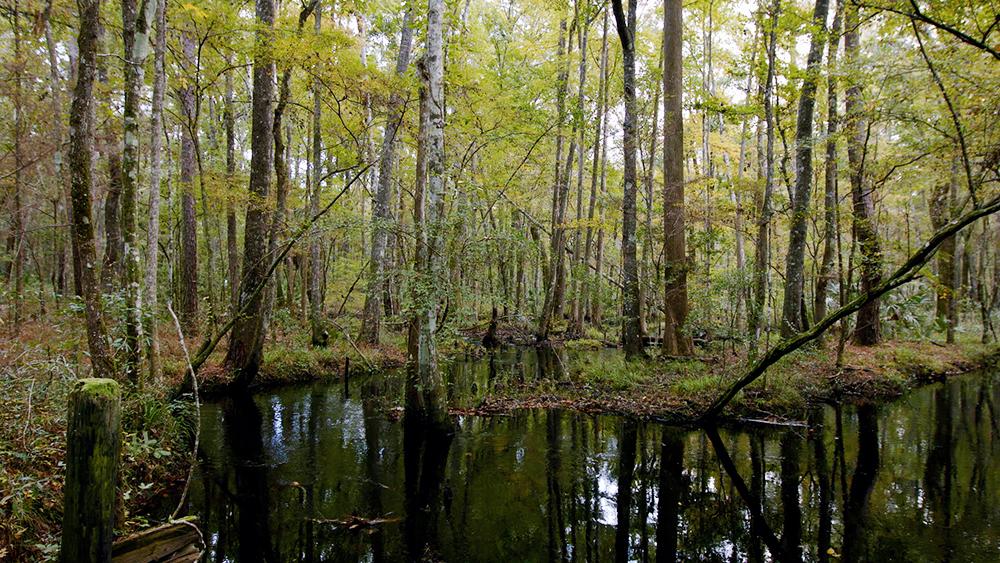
x=93 y=440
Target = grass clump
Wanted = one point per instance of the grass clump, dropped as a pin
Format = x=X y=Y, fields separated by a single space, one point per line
x=611 y=371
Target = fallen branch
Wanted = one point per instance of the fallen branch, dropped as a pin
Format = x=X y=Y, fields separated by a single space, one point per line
x=909 y=271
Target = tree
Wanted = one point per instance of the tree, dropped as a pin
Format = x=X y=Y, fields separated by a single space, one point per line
x=135 y=31
x=81 y=174
x=867 y=329
x=381 y=217
x=425 y=388
x=762 y=258
x=155 y=146
x=246 y=344
x=793 y=316
x=631 y=321
x=676 y=341
x=186 y=98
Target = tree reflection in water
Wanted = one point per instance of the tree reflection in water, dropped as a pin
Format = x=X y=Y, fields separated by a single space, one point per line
x=915 y=480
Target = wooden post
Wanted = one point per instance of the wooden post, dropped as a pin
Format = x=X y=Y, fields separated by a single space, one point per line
x=93 y=439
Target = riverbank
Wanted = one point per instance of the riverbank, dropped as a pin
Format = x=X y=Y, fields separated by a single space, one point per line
x=679 y=390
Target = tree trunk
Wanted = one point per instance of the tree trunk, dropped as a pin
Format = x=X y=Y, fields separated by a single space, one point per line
x=867 y=329
x=319 y=335
x=631 y=329
x=189 y=233
x=425 y=388
x=942 y=206
x=826 y=273
x=111 y=264
x=246 y=343
x=599 y=141
x=136 y=26
x=381 y=216
x=762 y=258
x=82 y=175
x=153 y=229
x=232 y=252
x=17 y=219
x=577 y=310
x=675 y=339
x=793 y=316
x=549 y=306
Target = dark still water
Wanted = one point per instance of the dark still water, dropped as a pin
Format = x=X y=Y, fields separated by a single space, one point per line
x=289 y=476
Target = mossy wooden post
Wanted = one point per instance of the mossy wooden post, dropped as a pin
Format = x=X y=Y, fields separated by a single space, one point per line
x=93 y=439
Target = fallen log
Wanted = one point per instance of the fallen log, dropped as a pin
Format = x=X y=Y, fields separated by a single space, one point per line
x=175 y=542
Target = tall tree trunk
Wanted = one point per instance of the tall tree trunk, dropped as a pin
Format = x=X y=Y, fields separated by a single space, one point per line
x=426 y=399
x=826 y=273
x=381 y=216
x=61 y=178
x=81 y=173
x=578 y=272
x=631 y=317
x=550 y=304
x=867 y=329
x=155 y=146
x=281 y=158
x=136 y=26
x=189 y=225
x=675 y=339
x=17 y=219
x=762 y=258
x=646 y=300
x=793 y=316
x=246 y=343
x=232 y=252
x=599 y=141
x=319 y=335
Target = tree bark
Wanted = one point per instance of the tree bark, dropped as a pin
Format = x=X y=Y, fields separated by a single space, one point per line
x=246 y=343
x=867 y=328
x=426 y=399
x=189 y=225
x=826 y=273
x=676 y=341
x=599 y=142
x=232 y=252
x=155 y=146
x=941 y=206
x=762 y=258
x=793 y=317
x=631 y=321
x=381 y=216
x=319 y=335
x=550 y=304
x=81 y=173
x=135 y=26
x=111 y=265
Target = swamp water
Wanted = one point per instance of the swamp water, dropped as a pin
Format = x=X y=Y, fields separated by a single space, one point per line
x=320 y=473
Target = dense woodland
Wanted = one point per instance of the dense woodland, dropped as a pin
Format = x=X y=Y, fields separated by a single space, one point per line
x=186 y=185
x=716 y=170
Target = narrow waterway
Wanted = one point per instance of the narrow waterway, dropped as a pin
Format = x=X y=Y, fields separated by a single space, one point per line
x=320 y=473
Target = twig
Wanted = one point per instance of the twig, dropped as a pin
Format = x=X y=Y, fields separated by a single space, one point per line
x=350 y=340
x=197 y=411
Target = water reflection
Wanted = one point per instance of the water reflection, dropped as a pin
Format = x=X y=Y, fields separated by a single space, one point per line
x=301 y=474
